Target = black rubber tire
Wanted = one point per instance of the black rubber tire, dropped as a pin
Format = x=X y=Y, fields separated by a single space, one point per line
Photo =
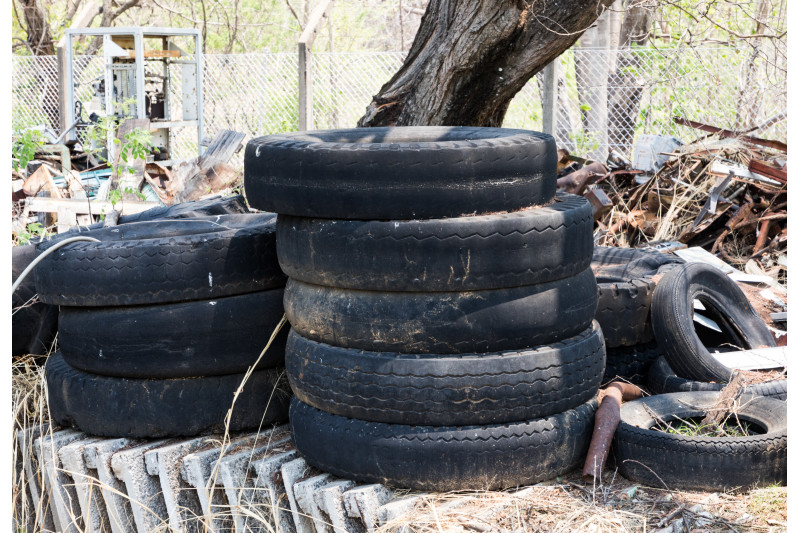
x=644 y=455
x=400 y=173
x=33 y=325
x=725 y=303
x=630 y=363
x=163 y=261
x=662 y=380
x=443 y=322
x=626 y=279
x=447 y=390
x=189 y=339
x=443 y=458
x=450 y=254
x=155 y=408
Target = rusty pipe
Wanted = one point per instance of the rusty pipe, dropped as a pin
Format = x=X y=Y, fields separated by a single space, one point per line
x=606 y=421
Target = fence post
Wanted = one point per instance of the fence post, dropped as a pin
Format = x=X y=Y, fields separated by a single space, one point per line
x=550 y=96
x=305 y=77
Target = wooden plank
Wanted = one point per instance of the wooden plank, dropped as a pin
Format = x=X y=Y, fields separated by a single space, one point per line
x=222 y=147
x=82 y=207
x=156 y=53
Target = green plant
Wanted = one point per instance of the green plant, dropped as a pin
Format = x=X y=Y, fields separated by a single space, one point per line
x=692 y=427
x=24 y=144
x=34 y=229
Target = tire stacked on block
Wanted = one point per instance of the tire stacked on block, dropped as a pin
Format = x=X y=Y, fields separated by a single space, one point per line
x=441 y=303
x=626 y=280
x=159 y=323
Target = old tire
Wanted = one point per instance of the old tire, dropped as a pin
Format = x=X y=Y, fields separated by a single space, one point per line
x=673 y=325
x=447 y=390
x=155 y=408
x=443 y=458
x=33 y=325
x=163 y=261
x=443 y=322
x=626 y=279
x=706 y=463
x=662 y=379
x=630 y=363
x=400 y=173
x=526 y=247
x=189 y=339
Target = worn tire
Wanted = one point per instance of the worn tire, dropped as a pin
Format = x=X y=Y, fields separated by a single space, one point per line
x=725 y=303
x=400 y=173
x=630 y=362
x=526 y=247
x=706 y=463
x=155 y=408
x=626 y=279
x=33 y=325
x=447 y=390
x=163 y=261
x=189 y=339
x=443 y=322
x=662 y=380
x=443 y=458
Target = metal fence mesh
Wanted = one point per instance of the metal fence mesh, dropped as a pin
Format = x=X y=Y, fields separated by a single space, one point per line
x=257 y=94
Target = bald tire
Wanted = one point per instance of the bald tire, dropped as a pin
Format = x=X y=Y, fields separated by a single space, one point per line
x=443 y=458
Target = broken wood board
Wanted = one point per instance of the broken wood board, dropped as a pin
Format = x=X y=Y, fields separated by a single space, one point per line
x=699 y=255
x=222 y=147
x=39 y=181
x=85 y=207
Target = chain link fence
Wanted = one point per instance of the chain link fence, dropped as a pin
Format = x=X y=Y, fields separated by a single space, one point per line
x=605 y=100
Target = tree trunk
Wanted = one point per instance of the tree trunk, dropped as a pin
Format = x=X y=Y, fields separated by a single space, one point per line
x=39 y=39
x=624 y=85
x=470 y=57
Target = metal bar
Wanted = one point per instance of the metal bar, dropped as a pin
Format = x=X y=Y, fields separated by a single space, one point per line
x=70 y=85
x=138 y=40
x=550 y=96
x=198 y=56
x=305 y=110
x=777 y=145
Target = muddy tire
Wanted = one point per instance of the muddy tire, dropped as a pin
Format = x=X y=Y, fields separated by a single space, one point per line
x=443 y=322
x=725 y=303
x=33 y=325
x=447 y=390
x=526 y=247
x=626 y=279
x=443 y=458
x=189 y=339
x=163 y=261
x=662 y=380
x=400 y=173
x=155 y=408
x=657 y=458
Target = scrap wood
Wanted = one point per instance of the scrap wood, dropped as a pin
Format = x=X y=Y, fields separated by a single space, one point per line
x=41 y=180
x=576 y=182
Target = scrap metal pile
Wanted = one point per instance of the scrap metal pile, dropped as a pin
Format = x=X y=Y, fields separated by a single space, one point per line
x=724 y=192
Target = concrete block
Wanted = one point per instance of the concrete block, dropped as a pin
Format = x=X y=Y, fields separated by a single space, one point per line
x=304 y=491
x=200 y=469
x=90 y=499
x=64 y=497
x=97 y=457
x=330 y=498
x=32 y=473
x=164 y=463
x=270 y=491
x=363 y=502
x=396 y=508
x=235 y=475
x=144 y=490
x=291 y=473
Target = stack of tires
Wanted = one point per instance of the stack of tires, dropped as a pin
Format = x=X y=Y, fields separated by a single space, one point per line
x=626 y=281
x=160 y=321
x=441 y=303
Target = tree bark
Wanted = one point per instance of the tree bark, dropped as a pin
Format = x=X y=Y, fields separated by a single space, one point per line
x=624 y=84
x=470 y=57
x=37 y=28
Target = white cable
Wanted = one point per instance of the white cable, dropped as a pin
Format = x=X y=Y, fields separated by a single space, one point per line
x=45 y=254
